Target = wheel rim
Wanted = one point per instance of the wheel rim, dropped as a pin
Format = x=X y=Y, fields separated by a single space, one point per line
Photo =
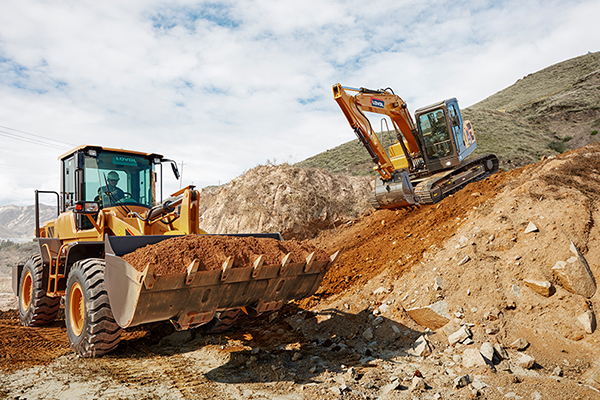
x=76 y=309
x=26 y=290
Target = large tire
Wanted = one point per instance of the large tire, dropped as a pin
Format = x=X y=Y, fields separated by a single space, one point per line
x=35 y=307
x=91 y=326
x=222 y=321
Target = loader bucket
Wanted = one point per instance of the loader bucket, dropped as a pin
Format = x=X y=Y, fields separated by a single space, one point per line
x=192 y=298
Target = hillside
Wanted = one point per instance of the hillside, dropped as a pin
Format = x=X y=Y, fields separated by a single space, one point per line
x=18 y=222
x=545 y=113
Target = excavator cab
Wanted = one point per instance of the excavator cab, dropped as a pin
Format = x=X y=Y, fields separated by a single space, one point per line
x=444 y=141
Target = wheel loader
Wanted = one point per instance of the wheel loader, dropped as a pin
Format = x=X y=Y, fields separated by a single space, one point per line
x=428 y=161
x=107 y=208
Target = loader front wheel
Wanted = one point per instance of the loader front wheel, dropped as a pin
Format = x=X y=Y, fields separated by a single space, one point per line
x=91 y=327
x=35 y=307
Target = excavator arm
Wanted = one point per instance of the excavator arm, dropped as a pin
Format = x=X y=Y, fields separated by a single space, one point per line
x=381 y=102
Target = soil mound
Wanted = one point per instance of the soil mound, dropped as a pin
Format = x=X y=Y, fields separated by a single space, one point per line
x=172 y=256
x=296 y=202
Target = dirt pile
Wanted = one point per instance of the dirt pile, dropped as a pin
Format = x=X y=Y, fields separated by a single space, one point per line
x=294 y=201
x=172 y=256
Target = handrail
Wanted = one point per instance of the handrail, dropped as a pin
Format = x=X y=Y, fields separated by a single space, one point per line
x=37 y=208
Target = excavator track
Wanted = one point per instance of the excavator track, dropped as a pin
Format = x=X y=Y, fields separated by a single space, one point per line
x=437 y=187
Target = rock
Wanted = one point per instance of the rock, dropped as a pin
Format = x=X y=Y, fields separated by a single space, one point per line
x=457 y=358
x=526 y=361
x=501 y=351
x=352 y=374
x=418 y=383
x=368 y=334
x=297 y=355
x=462 y=334
x=396 y=330
x=575 y=275
x=177 y=338
x=487 y=351
x=381 y=290
x=390 y=387
x=544 y=288
x=465 y=260
x=437 y=284
x=472 y=358
x=452 y=326
x=492 y=330
x=433 y=316
x=479 y=385
x=335 y=390
x=377 y=321
x=515 y=290
x=558 y=372
x=531 y=228
x=588 y=321
x=383 y=308
x=421 y=347
x=462 y=381
x=520 y=344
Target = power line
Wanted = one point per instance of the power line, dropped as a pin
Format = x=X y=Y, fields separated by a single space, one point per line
x=33 y=138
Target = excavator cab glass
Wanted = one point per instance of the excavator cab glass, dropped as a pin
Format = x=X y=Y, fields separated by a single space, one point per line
x=113 y=179
x=436 y=136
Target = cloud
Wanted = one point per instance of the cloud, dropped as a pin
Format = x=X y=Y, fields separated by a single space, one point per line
x=226 y=85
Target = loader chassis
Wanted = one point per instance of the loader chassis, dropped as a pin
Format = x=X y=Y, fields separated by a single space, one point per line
x=99 y=221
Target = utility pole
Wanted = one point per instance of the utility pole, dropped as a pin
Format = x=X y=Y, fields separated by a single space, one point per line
x=181 y=174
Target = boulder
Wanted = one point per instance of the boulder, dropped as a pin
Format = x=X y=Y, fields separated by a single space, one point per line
x=575 y=275
x=544 y=288
x=531 y=228
x=519 y=344
x=417 y=383
x=526 y=361
x=487 y=351
x=421 y=347
x=434 y=316
x=588 y=321
x=460 y=335
x=472 y=358
x=501 y=351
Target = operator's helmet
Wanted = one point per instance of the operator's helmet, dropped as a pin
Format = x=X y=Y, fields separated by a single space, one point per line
x=113 y=176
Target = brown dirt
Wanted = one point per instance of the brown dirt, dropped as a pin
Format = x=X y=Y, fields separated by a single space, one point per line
x=396 y=240
x=172 y=256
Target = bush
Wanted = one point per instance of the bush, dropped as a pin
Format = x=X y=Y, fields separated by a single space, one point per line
x=594 y=133
x=558 y=145
x=567 y=138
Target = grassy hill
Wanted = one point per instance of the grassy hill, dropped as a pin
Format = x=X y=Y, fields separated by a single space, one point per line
x=545 y=113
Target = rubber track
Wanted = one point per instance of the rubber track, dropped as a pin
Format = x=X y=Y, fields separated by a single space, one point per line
x=43 y=309
x=222 y=322
x=103 y=334
x=423 y=190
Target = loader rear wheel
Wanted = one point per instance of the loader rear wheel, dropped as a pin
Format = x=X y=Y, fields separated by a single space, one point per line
x=35 y=307
x=91 y=326
x=222 y=321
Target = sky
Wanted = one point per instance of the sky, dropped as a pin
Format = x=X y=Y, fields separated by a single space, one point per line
x=224 y=86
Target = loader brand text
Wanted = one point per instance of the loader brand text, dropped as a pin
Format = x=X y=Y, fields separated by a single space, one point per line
x=377 y=103
x=120 y=160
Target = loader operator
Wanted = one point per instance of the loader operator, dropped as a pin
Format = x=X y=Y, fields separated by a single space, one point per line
x=111 y=193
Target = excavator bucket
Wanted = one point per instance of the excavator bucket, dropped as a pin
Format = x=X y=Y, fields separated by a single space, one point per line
x=191 y=298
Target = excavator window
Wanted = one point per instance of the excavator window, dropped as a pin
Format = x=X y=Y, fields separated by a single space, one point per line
x=436 y=137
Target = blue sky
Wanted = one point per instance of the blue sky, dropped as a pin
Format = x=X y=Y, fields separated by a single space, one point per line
x=225 y=86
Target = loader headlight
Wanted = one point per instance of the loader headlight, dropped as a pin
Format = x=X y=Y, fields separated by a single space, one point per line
x=87 y=207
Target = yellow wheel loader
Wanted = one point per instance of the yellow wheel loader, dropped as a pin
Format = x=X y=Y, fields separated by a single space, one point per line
x=429 y=159
x=107 y=208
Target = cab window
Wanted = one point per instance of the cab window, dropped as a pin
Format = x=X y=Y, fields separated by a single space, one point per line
x=436 y=137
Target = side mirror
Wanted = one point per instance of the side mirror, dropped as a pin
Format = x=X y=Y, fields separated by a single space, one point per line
x=173 y=167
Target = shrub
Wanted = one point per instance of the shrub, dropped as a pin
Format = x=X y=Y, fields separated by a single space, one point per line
x=558 y=145
x=594 y=133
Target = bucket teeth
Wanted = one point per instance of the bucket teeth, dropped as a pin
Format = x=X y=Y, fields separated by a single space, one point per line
x=226 y=268
x=258 y=263
x=191 y=271
x=150 y=277
x=285 y=261
x=309 y=261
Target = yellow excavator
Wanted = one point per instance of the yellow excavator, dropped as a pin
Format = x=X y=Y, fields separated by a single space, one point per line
x=428 y=161
x=107 y=207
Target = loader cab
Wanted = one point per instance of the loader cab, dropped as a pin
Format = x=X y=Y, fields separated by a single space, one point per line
x=445 y=139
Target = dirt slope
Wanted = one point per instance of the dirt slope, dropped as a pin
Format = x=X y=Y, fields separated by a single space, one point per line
x=294 y=201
